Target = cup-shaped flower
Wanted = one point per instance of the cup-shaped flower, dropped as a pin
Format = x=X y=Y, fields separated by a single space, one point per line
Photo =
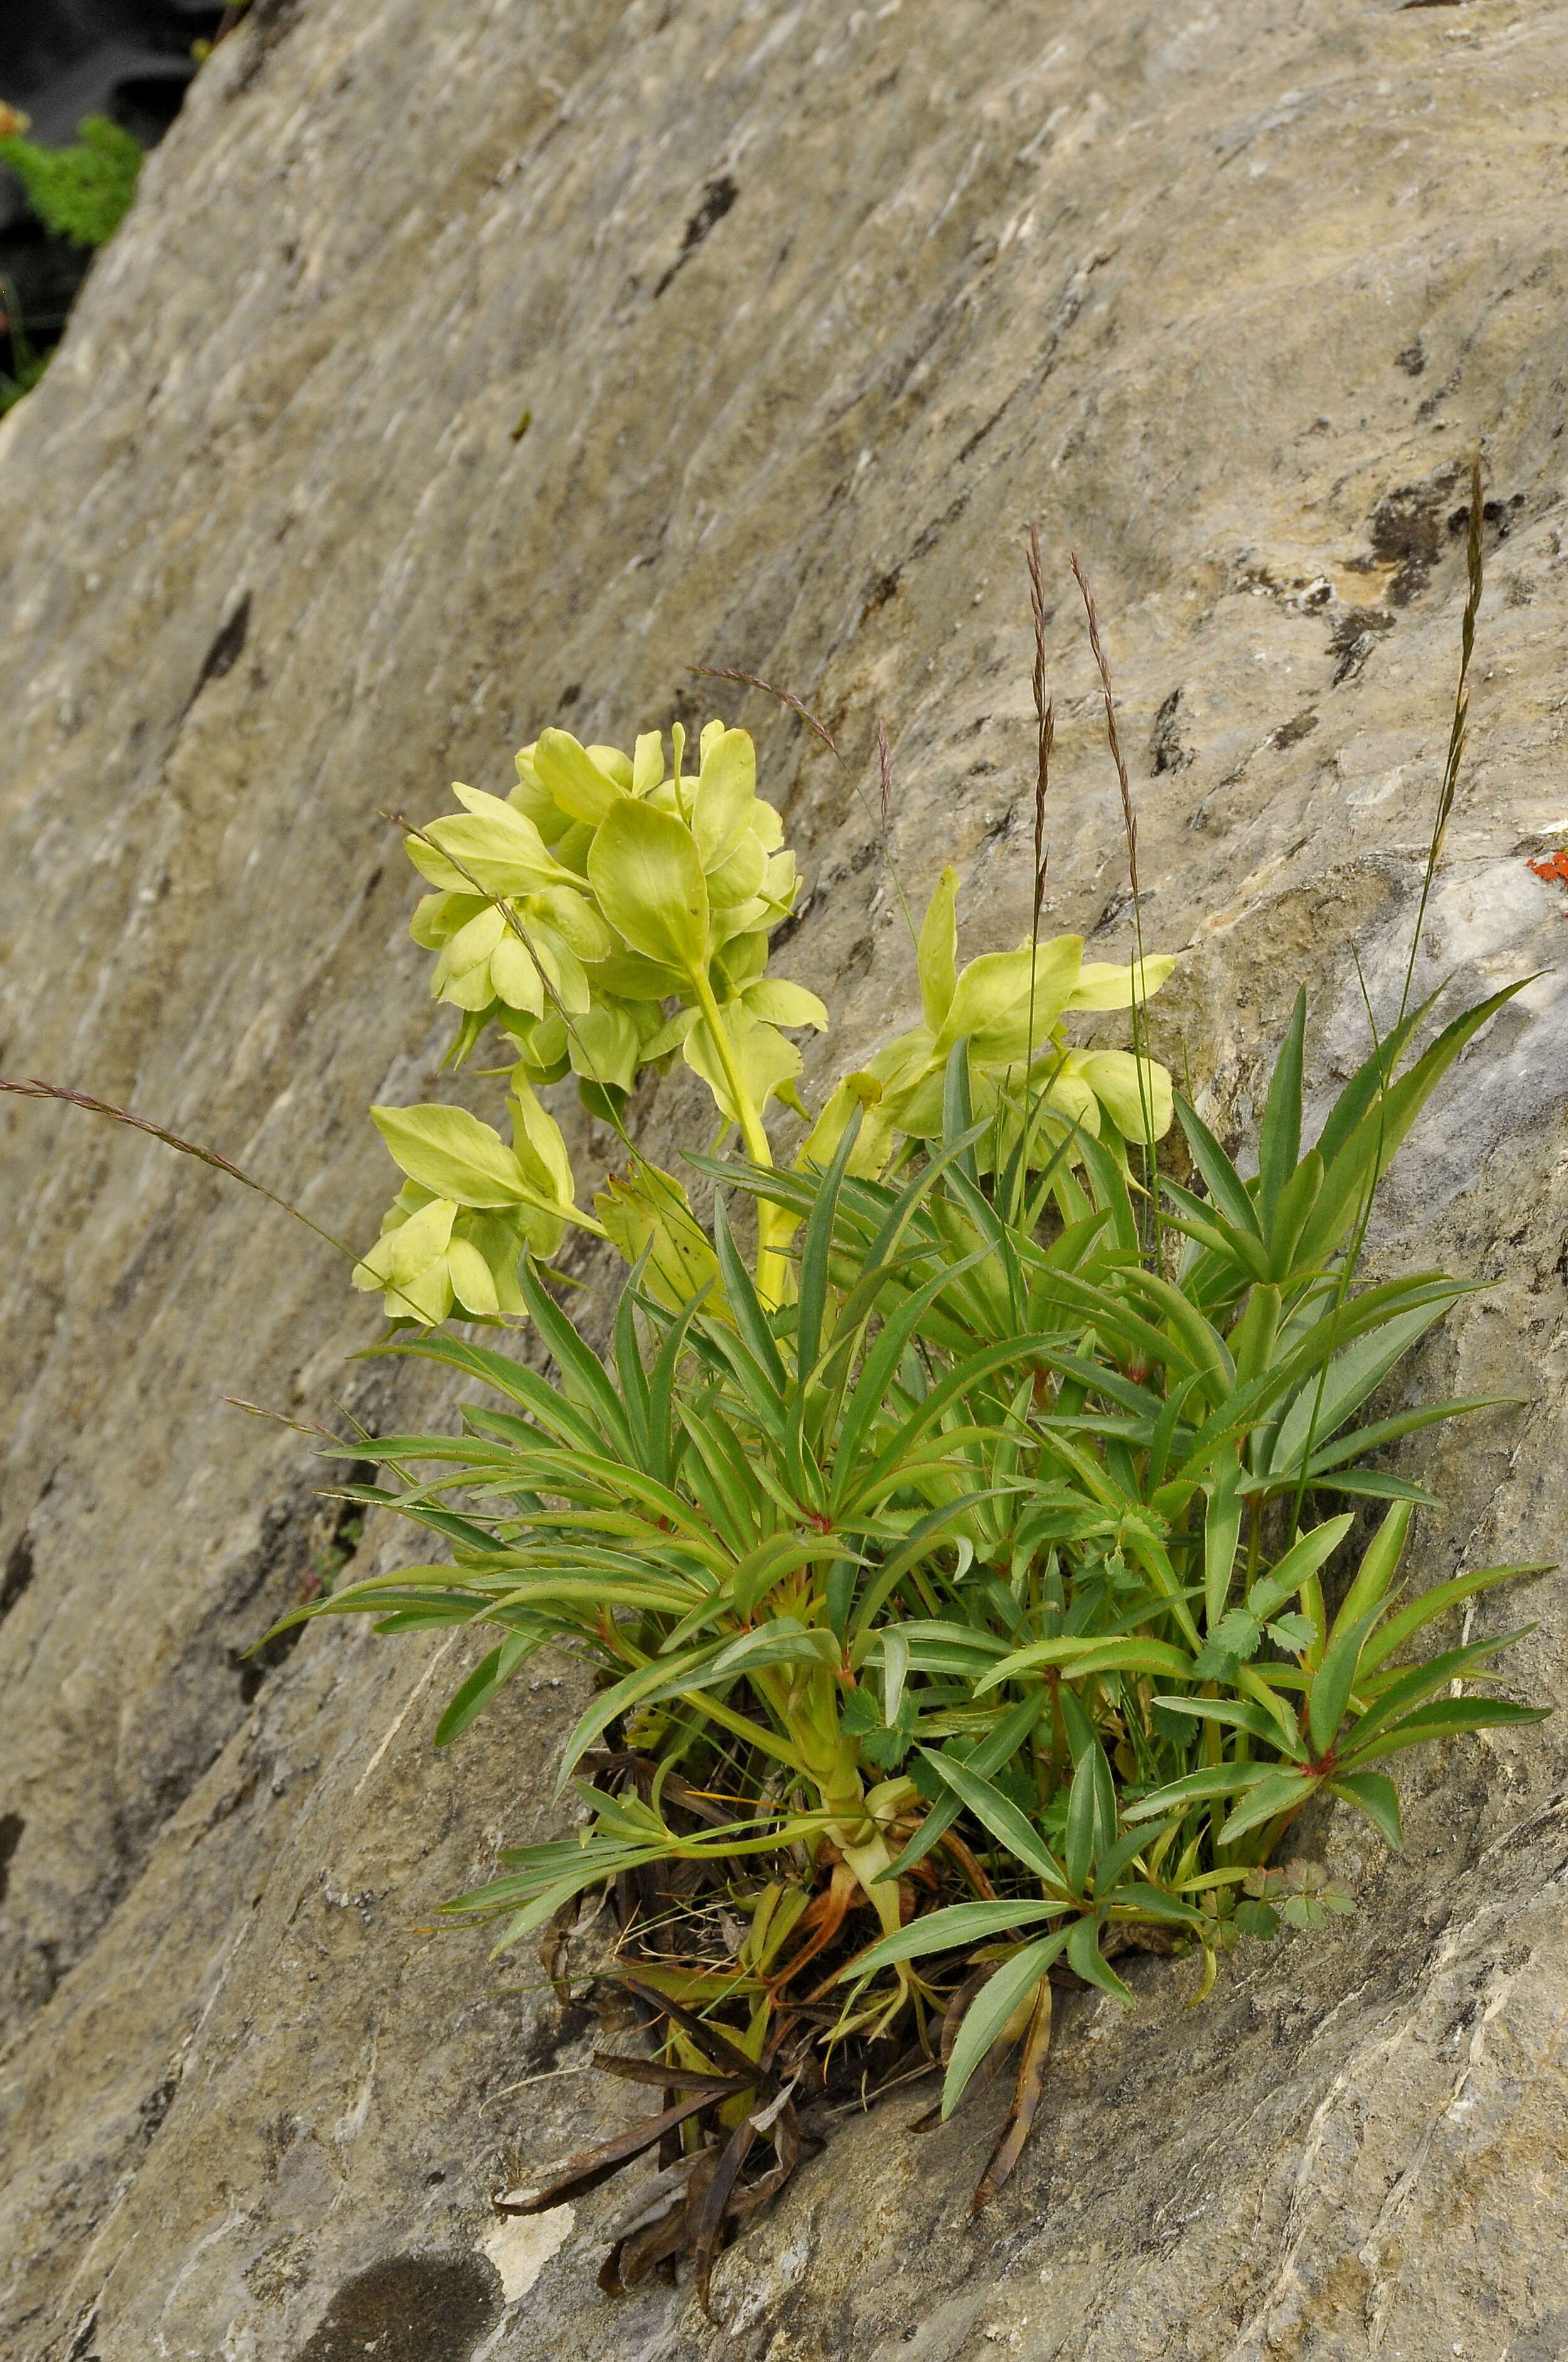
x=500 y=1202
x=434 y=1253
x=1009 y=1007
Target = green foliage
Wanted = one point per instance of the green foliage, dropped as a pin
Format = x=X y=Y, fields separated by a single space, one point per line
x=1005 y=1527
x=981 y=1583
x=81 y=192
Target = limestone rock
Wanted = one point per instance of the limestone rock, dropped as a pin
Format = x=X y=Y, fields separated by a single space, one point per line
x=810 y=309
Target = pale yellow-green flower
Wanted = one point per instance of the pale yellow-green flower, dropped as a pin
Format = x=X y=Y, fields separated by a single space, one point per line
x=433 y=1253
x=470 y=1208
x=1009 y=1007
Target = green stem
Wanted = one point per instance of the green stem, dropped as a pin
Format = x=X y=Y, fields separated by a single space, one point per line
x=770 y=1261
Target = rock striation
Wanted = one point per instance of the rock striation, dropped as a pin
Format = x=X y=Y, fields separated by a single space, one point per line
x=809 y=309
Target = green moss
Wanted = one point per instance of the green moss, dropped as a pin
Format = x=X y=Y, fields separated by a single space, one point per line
x=80 y=193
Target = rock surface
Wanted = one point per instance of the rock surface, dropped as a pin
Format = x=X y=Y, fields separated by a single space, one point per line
x=810 y=309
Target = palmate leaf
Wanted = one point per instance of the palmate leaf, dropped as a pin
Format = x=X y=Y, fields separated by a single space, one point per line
x=999 y=1999
x=952 y=1929
x=1375 y=1794
x=998 y=1814
x=1444 y=1718
x=1279 y=1142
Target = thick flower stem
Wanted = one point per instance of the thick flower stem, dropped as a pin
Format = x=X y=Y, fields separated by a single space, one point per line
x=770 y=1219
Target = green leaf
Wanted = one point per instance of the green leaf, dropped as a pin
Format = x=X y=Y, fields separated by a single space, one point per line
x=815 y=1253
x=1447 y=1720
x=999 y=1999
x=1237 y=1637
x=775 y=999
x=452 y=1154
x=1360 y=1157
x=939 y=950
x=1307 y=1554
x=1085 y=1954
x=469 y=1701
x=645 y=870
x=960 y=1924
x=571 y=778
x=583 y=1375
x=745 y=1306
x=1368 y=1080
x=1373 y=1793
x=726 y=791
x=1333 y=1681
x=1279 y=1142
x=1091 y=1816
x=1226 y=1189
x=1408 y=1621
x=1079 y=1656
x=1222 y=1532
x=1289 y=1218
x=1349 y=1377
x=1242 y=1714
x=631 y=1690
x=1372 y=1484
x=1277 y=1792
x=992 y=1753
x=1382 y=1431
x=1197 y=1787
x=781 y=1641
x=999 y=1813
x=1379 y=1565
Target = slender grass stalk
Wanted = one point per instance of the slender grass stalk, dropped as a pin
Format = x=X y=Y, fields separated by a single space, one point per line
x=1130 y=831
x=1475 y=575
x=1448 y=787
x=33 y=1089
x=1045 y=731
x=785 y=697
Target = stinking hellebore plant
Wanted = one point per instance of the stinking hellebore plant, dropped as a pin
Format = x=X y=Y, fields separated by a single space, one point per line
x=962 y=1571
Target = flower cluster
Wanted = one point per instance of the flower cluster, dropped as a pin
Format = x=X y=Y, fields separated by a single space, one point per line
x=1009 y=1007
x=603 y=889
x=613 y=913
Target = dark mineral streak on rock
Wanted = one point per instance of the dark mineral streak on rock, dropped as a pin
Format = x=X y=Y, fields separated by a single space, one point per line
x=409 y=2309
